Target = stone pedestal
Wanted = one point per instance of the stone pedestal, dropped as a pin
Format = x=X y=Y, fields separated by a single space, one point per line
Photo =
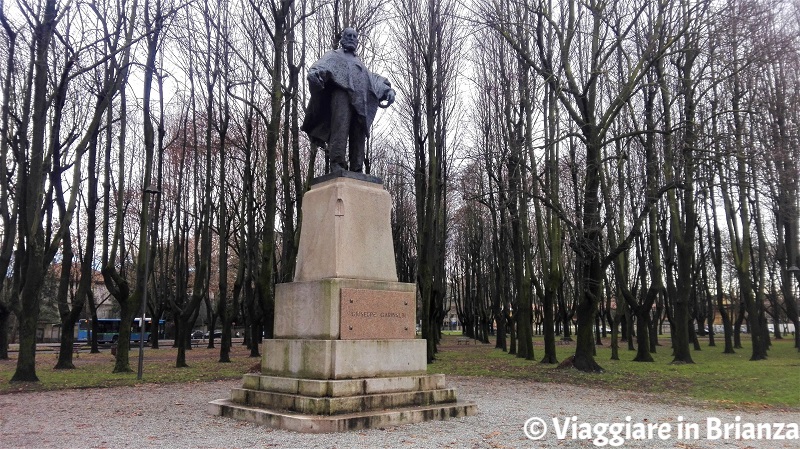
x=345 y=355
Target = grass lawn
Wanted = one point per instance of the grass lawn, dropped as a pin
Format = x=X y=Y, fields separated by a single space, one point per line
x=723 y=380
x=726 y=380
x=94 y=370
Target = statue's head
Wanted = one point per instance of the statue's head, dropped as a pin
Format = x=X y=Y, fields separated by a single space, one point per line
x=349 y=40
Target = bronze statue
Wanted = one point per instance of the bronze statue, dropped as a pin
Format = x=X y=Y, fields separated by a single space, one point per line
x=344 y=99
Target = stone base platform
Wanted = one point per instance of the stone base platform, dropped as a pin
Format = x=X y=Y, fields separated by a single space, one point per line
x=339 y=423
x=343 y=359
x=318 y=406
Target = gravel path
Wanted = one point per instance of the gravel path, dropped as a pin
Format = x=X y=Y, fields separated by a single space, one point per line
x=174 y=416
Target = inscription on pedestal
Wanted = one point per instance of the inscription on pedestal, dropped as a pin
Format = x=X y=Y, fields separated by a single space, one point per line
x=376 y=314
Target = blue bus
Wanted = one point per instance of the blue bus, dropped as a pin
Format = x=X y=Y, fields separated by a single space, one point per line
x=108 y=329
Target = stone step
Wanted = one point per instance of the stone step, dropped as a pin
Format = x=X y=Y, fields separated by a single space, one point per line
x=340 y=388
x=340 y=423
x=338 y=405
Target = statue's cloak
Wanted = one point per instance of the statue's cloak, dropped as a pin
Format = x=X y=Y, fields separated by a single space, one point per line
x=339 y=70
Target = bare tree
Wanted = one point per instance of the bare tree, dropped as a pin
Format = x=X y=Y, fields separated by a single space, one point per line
x=427 y=35
x=584 y=32
x=8 y=208
x=742 y=53
x=40 y=161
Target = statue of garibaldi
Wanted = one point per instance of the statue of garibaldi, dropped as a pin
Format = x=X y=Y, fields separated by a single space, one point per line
x=344 y=99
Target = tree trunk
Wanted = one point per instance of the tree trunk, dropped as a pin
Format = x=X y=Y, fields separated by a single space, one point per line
x=8 y=213
x=31 y=244
x=590 y=246
x=67 y=319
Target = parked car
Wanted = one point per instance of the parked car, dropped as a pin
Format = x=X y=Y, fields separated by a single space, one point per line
x=196 y=335
x=217 y=334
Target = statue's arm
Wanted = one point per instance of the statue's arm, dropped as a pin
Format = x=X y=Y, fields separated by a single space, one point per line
x=316 y=78
x=383 y=90
x=319 y=73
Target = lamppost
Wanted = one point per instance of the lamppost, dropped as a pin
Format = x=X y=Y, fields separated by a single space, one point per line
x=150 y=191
x=793 y=273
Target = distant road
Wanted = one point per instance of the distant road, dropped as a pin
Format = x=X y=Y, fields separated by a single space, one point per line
x=53 y=347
